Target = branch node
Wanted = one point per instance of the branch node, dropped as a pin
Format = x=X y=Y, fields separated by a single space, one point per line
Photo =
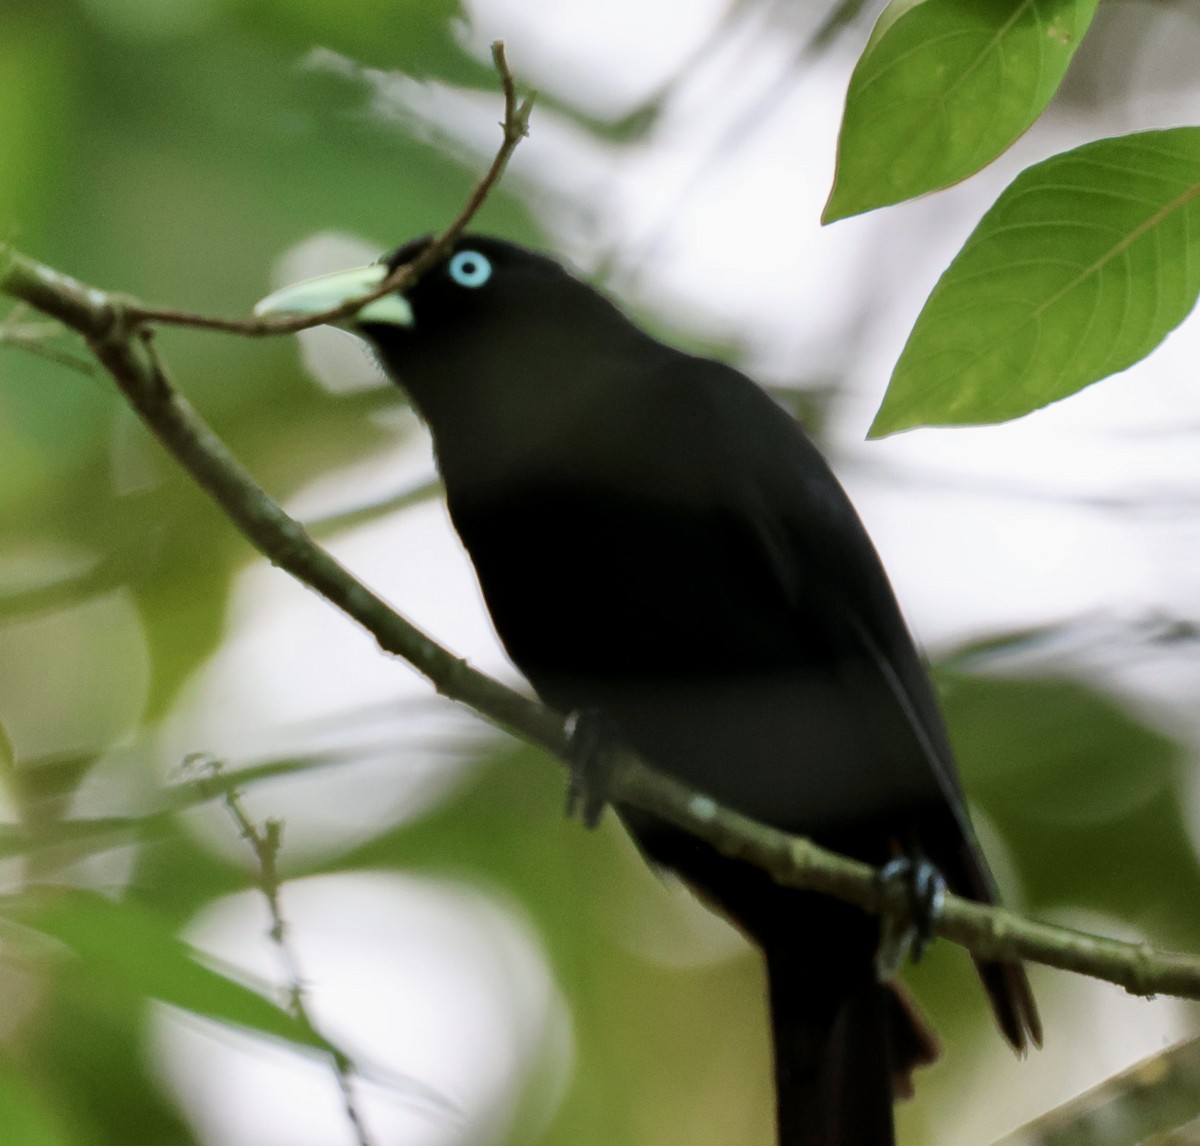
x=1141 y=972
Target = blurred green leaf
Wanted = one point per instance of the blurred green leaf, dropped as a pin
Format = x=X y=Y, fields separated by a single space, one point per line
x=42 y=789
x=1085 y=793
x=125 y=947
x=944 y=87
x=8 y=775
x=86 y=1052
x=37 y=88
x=27 y=1119
x=1082 y=267
x=413 y=36
x=1055 y=748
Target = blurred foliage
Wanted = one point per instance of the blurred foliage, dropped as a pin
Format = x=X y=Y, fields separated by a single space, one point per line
x=174 y=149
x=1086 y=795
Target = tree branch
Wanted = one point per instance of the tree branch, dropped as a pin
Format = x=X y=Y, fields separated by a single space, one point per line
x=117 y=331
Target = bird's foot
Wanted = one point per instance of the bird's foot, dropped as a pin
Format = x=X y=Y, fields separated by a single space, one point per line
x=592 y=748
x=907 y=932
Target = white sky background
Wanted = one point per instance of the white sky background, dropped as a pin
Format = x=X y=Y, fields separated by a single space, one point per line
x=983 y=530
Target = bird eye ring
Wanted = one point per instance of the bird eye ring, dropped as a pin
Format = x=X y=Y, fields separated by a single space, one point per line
x=470 y=269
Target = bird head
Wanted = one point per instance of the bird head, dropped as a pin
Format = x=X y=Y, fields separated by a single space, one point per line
x=504 y=353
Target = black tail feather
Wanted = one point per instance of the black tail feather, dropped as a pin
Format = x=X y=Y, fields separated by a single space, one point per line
x=1006 y=984
x=841 y=1056
x=1016 y=1013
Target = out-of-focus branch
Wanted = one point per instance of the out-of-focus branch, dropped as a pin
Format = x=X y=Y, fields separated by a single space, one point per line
x=362 y=514
x=36 y=337
x=1142 y=1104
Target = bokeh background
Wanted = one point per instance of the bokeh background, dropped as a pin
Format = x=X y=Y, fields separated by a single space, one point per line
x=500 y=975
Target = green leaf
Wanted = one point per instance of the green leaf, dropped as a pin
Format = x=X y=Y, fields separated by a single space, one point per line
x=1054 y=750
x=1087 y=796
x=37 y=85
x=25 y=1116
x=1083 y=266
x=943 y=88
x=127 y=949
x=413 y=36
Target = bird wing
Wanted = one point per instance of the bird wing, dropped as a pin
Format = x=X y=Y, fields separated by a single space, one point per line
x=808 y=534
x=827 y=567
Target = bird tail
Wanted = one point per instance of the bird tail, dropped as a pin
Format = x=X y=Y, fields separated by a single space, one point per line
x=1006 y=984
x=842 y=1056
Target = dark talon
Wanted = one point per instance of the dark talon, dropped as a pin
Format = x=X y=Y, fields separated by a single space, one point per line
x=909 y=932
x=593 y=740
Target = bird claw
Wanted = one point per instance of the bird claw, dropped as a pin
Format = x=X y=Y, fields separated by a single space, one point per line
x=906 y=933
x=592 y=741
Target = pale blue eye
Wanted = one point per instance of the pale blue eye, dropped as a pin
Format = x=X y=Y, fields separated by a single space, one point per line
x=470 y=269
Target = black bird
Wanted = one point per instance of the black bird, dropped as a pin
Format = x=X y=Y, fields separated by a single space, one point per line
x=659 y=542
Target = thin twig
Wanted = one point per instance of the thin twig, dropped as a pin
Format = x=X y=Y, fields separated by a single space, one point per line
x=34 y=338
x=98 y=833
x=265 y=844
x=362 y=514
x=515 y=127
